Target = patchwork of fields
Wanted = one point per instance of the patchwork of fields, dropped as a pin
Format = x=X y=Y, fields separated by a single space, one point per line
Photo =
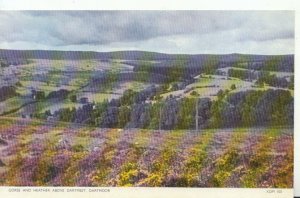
x=35 y=153
x=53 y=75
x=97 y=80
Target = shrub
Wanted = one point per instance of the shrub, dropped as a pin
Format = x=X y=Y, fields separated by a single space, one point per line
x=194 y=93
x=233 y=87
x=78 y=148
x=73 y=98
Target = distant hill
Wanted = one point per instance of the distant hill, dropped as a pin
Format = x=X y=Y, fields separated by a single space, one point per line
x=269 y=62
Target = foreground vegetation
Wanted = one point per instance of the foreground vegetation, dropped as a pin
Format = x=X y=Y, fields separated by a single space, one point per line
x=55 y=154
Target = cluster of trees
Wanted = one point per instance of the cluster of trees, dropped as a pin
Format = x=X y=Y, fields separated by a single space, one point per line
x=279 y=63
x=262 y=77
x=248 y=108
x=283 y=63
x=3 y=64
x=6 y=62
x=253 y=108
x=60 y=94
x=111 y=78
x=7 y=92
x=175 y=70
x=275 y=81
x=243 y=74
x=181 y=69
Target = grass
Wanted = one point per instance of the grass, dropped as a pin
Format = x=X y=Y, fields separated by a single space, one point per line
x=97 y=97
x=43 y=86
x=11 y=104
x=209 y=85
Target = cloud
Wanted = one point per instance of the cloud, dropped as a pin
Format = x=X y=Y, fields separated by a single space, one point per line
x=146 y=29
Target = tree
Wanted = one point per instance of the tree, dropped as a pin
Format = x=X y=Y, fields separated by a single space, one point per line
x=123 y=116
x=110 y=117
x=260 y=83
x=66 y=114
x=40 y=95
x=186 y=114
x=128 y=98
x=221 y=94
x=19 y=84
x=73 y=98
x=60 y=94
x=7 y=92
x=194 y=93
x=48 y=113
x=175 y=87
x=233 y=87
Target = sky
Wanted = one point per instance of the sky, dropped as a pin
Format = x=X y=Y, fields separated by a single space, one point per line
x=188 y=32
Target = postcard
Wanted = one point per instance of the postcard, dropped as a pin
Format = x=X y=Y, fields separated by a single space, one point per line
x=147 y=103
